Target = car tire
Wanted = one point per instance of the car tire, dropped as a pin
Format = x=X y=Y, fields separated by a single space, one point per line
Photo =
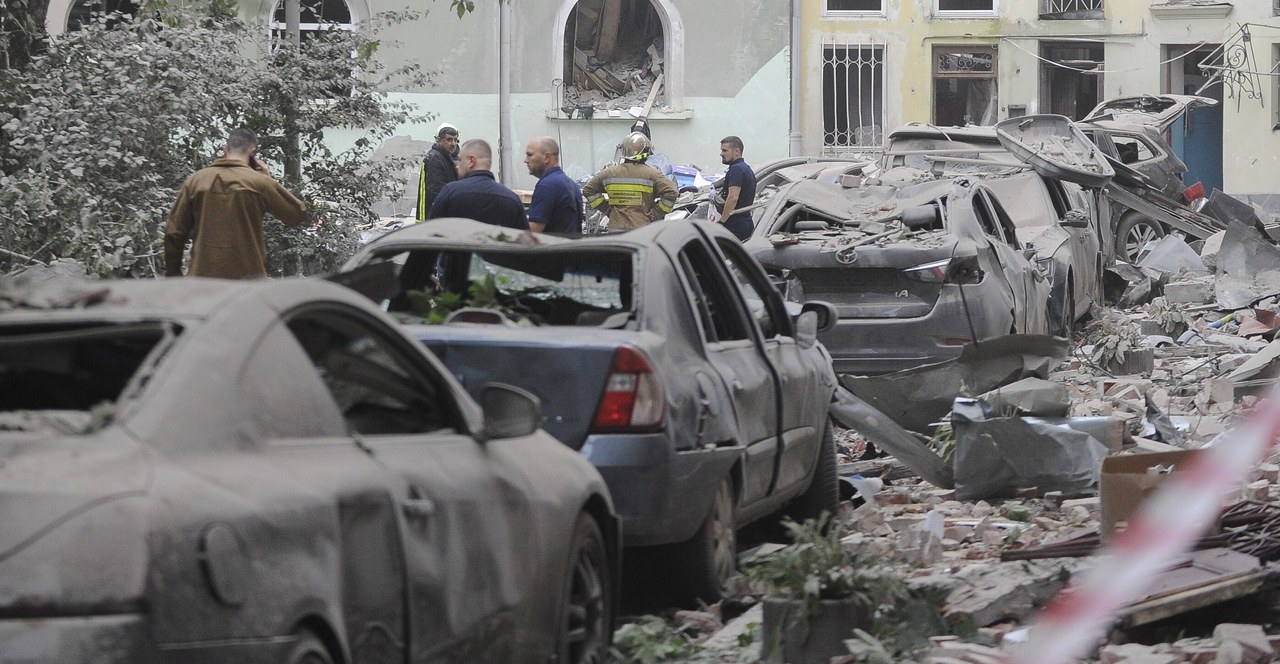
x=586 y=614
x=1134 y=233
x=823 y=494
x=703 y=563
x=307 y=649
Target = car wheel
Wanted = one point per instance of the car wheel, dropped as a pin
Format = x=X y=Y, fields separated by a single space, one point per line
x=1134 y=233
x=587 y=615
x=308 y=649
x=823 y=494
x=705 y=562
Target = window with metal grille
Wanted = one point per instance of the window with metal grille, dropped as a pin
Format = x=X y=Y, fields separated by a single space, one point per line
x=314 y=16
x=1071 y=9
x=852 y=97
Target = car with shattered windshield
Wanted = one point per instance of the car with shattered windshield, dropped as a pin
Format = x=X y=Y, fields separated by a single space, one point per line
x=916 y=272
x=198 y=470
x=1063 y=222
x=663 y=355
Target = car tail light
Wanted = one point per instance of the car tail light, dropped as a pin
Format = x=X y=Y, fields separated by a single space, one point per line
x=958 y=270
x=633 y=398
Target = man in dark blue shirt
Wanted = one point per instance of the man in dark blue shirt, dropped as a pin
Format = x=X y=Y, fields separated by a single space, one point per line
x=557 y=200
x=738 y=188
x=477 y=195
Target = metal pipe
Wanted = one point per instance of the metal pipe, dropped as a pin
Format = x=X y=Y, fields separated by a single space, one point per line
x=795 y=143
x=506 y=174
x=293 y=145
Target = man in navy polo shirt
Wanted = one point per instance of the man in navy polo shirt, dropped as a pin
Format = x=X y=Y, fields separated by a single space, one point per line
x=477 y=195
x=738 y=188
x=557 y=200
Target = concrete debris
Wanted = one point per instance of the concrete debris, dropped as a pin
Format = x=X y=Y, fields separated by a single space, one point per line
x=1172 y=255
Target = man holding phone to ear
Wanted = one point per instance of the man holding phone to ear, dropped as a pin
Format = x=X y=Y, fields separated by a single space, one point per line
x=219 y=209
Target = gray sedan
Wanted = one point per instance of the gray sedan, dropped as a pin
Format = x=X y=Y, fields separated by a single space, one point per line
x=213 y=471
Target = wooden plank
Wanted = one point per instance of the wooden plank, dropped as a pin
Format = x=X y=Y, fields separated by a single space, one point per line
x=1160 y=608
x=610 y=21
x=653 y=94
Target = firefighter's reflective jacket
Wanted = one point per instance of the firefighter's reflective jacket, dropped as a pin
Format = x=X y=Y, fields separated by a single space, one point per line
x=631 y=193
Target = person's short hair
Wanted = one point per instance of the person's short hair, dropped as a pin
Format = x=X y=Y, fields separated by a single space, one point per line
x=478 y=147
x=446 y=129
x=549 y=145
x=732 y=141
x=241 y=138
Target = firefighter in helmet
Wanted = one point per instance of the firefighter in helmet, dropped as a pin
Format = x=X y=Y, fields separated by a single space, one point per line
x=632 y=192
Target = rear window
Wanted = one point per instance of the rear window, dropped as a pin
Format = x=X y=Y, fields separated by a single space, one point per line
x=69 y=378
x=586 y=288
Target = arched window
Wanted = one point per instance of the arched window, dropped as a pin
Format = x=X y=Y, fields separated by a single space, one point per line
x=615 y=50
x=315 y=15
x=84 y=12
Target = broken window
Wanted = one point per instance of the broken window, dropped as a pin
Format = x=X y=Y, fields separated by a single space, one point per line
x=68 y=378
x=84 y=12
x=614 y=52
x=852 y=97
x=964 y=85
x=1071 y=9
x=315 y=16
x=1070 y=78
x=862 y=6
x=965 y=7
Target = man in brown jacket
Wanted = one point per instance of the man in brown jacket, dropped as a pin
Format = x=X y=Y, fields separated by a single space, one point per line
x=220 y=209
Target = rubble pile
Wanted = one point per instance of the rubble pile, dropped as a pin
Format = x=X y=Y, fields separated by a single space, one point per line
x=1196 y=355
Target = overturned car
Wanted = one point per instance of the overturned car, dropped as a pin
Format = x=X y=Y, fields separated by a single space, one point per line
x=916 y=272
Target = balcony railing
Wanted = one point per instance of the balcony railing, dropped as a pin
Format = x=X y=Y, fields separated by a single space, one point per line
x=1071 y=9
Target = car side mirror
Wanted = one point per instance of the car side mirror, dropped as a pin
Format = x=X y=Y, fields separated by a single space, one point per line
x=826 y=314
x=509 y=412
x=1074 y=219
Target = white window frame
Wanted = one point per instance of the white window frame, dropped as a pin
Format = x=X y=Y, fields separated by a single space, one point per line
x=834 y=148
x=827 y=12
x=994 y=12
x=1064 y=6
x=273 y=25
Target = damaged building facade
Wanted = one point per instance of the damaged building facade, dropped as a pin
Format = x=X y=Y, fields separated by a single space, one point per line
x=868 y=66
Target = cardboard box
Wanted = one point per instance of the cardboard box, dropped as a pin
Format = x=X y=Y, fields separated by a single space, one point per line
x=1125 y=482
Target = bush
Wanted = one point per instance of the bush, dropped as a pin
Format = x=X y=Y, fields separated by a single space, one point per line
x=97 y=134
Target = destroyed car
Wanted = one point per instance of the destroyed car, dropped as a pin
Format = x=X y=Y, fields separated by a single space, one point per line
x=272 y=471
x=1057 y=218
x=662 y=354
x=1132 y=130
x=915 y=272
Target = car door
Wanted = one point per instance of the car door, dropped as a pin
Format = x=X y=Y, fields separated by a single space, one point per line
x=462 y=530
x=738 y=359
x=1029 y=282
x=806 y=400
x=1017 y=269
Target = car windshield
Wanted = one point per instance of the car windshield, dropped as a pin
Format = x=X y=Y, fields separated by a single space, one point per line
x=572 y=287
x=68 y=378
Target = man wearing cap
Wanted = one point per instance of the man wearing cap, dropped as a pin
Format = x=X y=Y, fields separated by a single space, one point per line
x=438 y=168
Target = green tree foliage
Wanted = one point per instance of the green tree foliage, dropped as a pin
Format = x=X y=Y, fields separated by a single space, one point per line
x=97 y=134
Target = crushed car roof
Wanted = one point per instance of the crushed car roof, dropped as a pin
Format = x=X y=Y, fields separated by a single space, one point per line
x=186 y=297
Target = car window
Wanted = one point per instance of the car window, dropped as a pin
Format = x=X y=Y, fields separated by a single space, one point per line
x=1133 y=150
x=70 y=378
x=282 y=399
x=986 y=216
x=761 y=303
x=541 y=287
x=716 y=305
x=376 y=386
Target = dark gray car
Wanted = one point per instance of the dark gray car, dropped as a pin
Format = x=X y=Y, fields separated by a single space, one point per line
x=662 y=354
x=215 y=471
x=916 y=272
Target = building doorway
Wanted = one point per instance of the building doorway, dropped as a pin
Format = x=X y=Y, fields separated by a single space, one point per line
x=1070 y=78
x=964 y=85
x=1197 y=136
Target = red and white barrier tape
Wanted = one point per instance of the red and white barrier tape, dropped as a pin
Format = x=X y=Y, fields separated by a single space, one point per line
x=1165 y=526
